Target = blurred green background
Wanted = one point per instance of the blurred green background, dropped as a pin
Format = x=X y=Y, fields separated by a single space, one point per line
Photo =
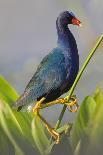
x=28 y=33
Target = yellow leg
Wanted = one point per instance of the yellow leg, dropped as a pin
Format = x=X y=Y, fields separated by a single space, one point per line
x=39 y=106
x=70 y=104
x=36 y=110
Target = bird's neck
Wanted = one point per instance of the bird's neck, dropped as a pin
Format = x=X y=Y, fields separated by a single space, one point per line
x=65 y=37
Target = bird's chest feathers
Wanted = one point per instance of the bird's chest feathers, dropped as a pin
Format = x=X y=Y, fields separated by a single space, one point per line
x=68 y=62
x=71 y=65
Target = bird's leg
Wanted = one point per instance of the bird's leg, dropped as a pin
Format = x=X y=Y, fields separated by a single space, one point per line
x=39 y=106
x=36 y=110
x=70 y=104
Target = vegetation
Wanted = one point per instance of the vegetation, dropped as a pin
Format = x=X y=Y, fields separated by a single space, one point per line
x=23 y=134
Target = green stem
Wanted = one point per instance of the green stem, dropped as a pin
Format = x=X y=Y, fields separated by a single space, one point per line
x=77 y=79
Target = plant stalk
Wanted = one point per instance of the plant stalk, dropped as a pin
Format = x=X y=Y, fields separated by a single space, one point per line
x=77 y=79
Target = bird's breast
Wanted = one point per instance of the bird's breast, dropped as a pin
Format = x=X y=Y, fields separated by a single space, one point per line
x=72 y=67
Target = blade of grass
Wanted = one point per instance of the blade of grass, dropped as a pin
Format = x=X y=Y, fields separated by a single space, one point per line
x=9 y=111
x=77 y=79
x=9 y=135
x=8 y=92
x=87 y=131
x=22 y=121
x=4 y=143
x=39 y=136
x=82 y=121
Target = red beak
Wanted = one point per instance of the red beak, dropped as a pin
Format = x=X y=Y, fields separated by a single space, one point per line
x=75 y=21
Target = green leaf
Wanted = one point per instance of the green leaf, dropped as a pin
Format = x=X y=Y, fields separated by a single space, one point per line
x=9 y=135
x=96 y=135
x=22 y=120
x=15 y=126
x=40 y=138
x=87 y=134
x=80 y=127
x=7 y=92
x=5 y=145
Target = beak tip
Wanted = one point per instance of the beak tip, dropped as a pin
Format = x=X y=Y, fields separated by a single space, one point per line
x=80 y=25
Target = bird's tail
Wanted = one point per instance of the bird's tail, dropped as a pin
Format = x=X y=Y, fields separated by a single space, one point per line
x=19 y=103
x=24 y=103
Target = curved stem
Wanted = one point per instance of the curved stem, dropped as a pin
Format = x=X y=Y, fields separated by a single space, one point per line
x=77 y=79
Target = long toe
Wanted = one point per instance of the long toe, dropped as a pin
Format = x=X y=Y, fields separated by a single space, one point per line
x=56 y=136
x=57 y=139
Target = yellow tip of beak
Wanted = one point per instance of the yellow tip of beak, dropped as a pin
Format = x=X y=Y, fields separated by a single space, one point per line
x=80 y=25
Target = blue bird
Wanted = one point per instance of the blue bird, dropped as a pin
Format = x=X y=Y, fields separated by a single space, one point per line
x=55 y=74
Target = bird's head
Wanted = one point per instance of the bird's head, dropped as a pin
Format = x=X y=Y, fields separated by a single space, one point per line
x=69 y=18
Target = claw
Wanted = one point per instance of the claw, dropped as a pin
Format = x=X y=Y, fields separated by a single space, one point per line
x=74 y=110
x=56 y=136
x=53 y=133
x=72 y=104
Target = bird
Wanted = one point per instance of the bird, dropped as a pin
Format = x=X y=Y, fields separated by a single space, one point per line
x=55 y=74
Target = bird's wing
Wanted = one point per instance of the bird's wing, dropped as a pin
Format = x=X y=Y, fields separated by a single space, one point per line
x=50 y=75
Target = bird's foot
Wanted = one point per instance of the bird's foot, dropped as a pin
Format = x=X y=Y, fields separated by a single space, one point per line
x=54 y=134
x=57 y=136
x=70 y=104
x=73 y=102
